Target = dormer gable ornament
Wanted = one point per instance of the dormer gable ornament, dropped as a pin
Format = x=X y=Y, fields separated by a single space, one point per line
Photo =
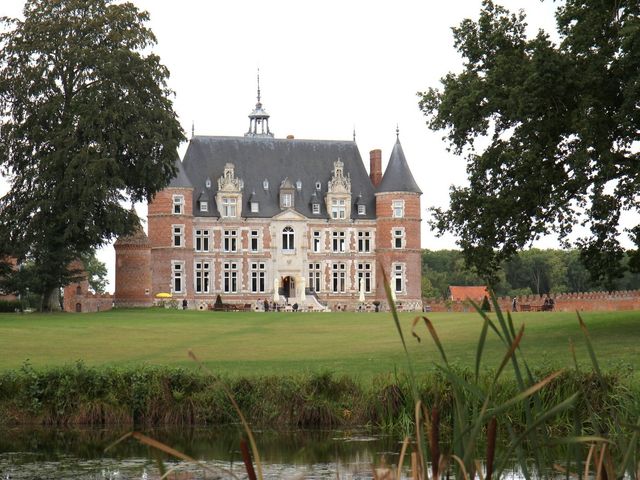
x=228 y=182
x=339 y=183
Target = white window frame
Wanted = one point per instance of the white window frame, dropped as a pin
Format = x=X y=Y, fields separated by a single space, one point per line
x=338 y=241
x=255 y=207
x=178 y=204
x=365 y=270
x=254 y=237
x=315 y=277
x=397 y=208
x=230 y=240
x=258 y=277
x=399 y=272
x=364 y=241
x=229 y=207
x=288 y=239
x=362 y=209
x=286 y=200
x=316 y=241
x=397 y=238
x=201 y=240
x=230 y=276
x=315 y=208
x=338 y=208
x=177 y=276
x=338 y=278
x=177 y=236
x=204 y=206
x=202 y=276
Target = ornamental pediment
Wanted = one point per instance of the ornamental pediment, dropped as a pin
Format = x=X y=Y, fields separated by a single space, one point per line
x=289 y=215
x=228 y=182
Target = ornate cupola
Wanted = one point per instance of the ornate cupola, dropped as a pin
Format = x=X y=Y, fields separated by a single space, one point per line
x=259 y=119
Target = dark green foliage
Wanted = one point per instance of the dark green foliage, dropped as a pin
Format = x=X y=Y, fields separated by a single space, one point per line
x=9 y=306
x=96 y=271
x=532 y=271
x=87 y=124
x=560 y=124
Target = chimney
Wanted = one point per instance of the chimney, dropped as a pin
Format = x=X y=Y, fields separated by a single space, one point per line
x=375 y=166
x=290 y=137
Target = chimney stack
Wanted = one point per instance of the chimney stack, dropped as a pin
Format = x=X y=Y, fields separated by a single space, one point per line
x=375 y=166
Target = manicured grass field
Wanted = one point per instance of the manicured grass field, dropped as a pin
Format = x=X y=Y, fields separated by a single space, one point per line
x=358 y=344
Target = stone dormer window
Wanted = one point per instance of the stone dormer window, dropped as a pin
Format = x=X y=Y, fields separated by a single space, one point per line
x=362 y=209
x=255 y=207
x=286 y=194
x=299 y=185
x=315 y=208
x=338 y=198
x=229 y=196
x=204 y=206
x=265 y=184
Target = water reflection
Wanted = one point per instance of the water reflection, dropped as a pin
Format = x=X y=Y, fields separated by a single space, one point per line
x=41 y=453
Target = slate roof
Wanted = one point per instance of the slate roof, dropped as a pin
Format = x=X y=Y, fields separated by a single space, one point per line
x=180 y=180
x=274 y=160
x=397 y=176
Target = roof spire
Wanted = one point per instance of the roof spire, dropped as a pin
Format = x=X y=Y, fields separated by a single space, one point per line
x=193 y=129
x=258 y=86
x=259 y=119
x=397 y=132
x=354 y=132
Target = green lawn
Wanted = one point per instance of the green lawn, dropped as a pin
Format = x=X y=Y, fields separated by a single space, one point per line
x=359 y=344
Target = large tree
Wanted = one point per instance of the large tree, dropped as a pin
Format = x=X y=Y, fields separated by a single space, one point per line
x=87 y=124
x=550 y=132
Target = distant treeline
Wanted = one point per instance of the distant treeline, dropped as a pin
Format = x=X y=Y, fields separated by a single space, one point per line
x=533 y=271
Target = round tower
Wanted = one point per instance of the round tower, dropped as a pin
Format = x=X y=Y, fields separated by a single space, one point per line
x=398 y=232
x=133 y=270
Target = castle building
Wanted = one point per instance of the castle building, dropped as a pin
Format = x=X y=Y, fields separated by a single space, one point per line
x=256 y=217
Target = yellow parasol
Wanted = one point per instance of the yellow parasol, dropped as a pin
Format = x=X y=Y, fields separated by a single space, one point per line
x=163 y=295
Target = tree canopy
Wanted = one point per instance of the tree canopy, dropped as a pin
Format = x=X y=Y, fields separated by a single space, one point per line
x=550 y=132
x=87 y=124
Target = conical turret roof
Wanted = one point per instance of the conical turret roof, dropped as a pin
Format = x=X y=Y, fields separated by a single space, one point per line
x=137 y=237
x=397 y=176
x=180 y=180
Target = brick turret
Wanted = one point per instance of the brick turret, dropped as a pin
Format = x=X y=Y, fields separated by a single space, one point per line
x=133 y=270
x=398 y=231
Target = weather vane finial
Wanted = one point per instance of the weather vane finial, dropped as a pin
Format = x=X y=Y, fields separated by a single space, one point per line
x=354 y=132
x=397 y=132
x=193 y=129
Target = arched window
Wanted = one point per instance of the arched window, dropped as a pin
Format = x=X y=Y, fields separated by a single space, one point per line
x=288 y=239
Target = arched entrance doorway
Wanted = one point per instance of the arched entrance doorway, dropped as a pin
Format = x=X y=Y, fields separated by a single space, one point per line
x=78 y=307
x=288 y=287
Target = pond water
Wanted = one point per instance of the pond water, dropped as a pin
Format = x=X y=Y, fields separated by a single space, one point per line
x=53 y=453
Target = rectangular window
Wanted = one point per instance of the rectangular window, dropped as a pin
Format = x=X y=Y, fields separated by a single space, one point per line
x=398 y=277
x=364 y=242
x=230 y=277
x=201 y=240
x=229 y=207
x=398 y=237
x=338 y=277
x=230 y=241
x=338 y=242
x=204 y=206
x=398 y=208
x=177 y=270
x=178 y=204
x=338 y=208
x=258 y=276
x=286 y=200
x=254 y=240
x=315 y=208
x=178 y=235
x=316 y=242
x=364 y=277
x=314 y=277
x=202 y=277
x=362 y=209
x=255 y=207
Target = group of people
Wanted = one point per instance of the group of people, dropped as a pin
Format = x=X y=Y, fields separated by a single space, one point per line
x=547 y=306
x=272 y=306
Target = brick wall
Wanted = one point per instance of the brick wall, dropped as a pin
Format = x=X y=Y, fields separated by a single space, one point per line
x=78 y=298
x=565 y=302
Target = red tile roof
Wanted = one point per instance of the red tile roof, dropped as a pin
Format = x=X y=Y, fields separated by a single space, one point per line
x=476 y=293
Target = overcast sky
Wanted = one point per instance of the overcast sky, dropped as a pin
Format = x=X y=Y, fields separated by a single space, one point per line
x=325 y=68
